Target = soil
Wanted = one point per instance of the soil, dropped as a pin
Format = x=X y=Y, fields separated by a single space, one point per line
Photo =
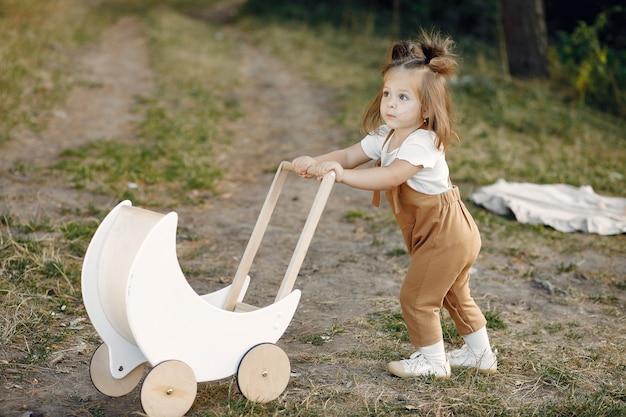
x=344 y=277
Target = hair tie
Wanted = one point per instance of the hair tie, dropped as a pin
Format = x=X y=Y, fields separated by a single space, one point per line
x=426 y=61
x=407 y=48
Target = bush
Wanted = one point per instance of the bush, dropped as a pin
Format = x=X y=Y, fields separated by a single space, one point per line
x=591 y=69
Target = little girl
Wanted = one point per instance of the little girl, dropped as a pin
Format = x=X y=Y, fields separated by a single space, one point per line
x=410 y=129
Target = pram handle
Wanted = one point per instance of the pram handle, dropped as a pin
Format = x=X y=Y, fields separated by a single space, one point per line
x=261 y=225
x=287 y=166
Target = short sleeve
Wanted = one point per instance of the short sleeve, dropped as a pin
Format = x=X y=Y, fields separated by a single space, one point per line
x=372 y=144
x=419 y=149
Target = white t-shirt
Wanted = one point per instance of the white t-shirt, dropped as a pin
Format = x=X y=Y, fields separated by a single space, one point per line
x=419 y=148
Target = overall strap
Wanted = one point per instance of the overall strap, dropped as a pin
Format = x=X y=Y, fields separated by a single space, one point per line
x=394 y=190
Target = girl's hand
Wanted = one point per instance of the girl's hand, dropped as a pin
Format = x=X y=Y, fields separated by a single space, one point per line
x=301 y=164
x=326 y=167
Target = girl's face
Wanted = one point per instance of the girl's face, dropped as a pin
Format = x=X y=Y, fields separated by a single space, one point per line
x=400 y=106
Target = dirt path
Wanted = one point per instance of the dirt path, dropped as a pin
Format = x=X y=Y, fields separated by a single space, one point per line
x=108 y=77
x=345 y=275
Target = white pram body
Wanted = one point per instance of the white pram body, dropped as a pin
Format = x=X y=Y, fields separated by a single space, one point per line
x=146 y=313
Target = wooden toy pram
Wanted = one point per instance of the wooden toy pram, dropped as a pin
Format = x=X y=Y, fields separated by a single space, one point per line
x=143 y=308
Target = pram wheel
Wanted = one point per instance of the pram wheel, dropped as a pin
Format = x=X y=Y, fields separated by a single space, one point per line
x=169 y=390
x=103 y=380
x=263 y=373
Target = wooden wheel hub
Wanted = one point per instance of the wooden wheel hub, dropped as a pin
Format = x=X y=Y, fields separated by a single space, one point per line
x=263 y=373
x=169 y=390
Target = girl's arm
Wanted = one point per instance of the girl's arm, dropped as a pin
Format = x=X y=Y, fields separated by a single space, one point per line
x=377 y=178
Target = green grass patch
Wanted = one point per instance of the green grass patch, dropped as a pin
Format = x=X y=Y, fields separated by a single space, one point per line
x=352 y=215
x=396 y=252
x=347 y=63
x=35 y=55
x=391 y=323
x=183 y=125
x=494 y=321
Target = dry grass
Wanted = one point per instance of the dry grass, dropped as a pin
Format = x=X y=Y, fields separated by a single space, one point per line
x=35 y=56
x=38 y=280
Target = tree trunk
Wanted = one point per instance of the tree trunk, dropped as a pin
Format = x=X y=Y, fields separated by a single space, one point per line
x=526 y=37
x=395 y=22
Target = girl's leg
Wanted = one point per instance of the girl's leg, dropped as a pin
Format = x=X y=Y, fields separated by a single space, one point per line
x=438 y=275
x=463 y=309
x=469 y=321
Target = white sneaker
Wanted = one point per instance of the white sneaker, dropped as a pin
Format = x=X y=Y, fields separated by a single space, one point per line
x=418 y=365
x=466 y=358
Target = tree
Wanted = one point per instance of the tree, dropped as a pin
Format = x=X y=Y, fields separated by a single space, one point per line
x=526 y=37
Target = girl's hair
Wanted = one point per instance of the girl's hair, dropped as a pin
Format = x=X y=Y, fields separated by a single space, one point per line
x=432 y=54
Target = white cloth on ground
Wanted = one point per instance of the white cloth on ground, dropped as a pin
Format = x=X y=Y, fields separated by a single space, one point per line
x=564 y=207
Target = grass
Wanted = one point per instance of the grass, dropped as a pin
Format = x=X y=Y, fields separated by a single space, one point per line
x=33 y=82
x=183 y=124
x=503 y=124
x=510 y=129
x=40 y=259
x=332 y=58
x=39 y=279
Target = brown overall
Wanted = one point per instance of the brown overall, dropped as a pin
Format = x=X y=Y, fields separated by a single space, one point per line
x=443 y=241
